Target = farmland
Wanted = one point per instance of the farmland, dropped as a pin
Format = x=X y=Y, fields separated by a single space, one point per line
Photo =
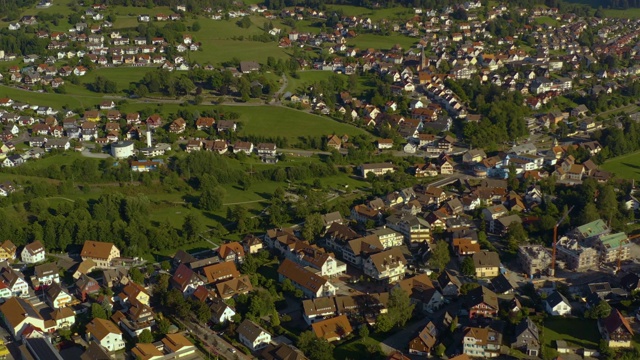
x=625 y=166
x=576 y=332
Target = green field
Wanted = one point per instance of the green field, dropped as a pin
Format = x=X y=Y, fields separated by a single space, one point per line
x=216 y=51
x=57 y=101
x=306 y=78
x=633 y=13
x=290 y=123
x=378 y=14
x=365 y=41
x=355 y=349
x=625 y=166
x=546 y=20
x=577 y=332
x=123 y=76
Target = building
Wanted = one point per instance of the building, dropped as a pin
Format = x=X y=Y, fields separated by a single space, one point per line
x=178 y=346
x=57 y=297
x=527 y=338
x=534 y=259
x=612 y=247
x=221 y=271
x=122 y=149
x=33 y=253
x=186 y=280
x=318 y=309
x=232 y=287
x=557 y=305
x=615 y=330
x=45 y=275
x=102 y=253
x=376 y=169
x=576 y=256
x=416 y=230
x=481 y=342
x=482 y=303
x=282 y=352
x=232 y=251
x=310 y=283
x=253 y=336
x=18 y=313
x=425 y=342
x=487 y=264
x=106 y=333
x=7 y=250
x=386 y=266
x=332 y=329
x=221 y=312
x=422 y=292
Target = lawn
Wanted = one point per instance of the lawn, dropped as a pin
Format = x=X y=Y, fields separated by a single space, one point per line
x=547 y=20
x=57 y=101
x=379 y=14
x=355 y=349
x=123 y=76
x=625 y=166
x=290 y=123
x=632 y=13
x=365 y=41
x=575 y=331
x=306 y=78
x=216 y=51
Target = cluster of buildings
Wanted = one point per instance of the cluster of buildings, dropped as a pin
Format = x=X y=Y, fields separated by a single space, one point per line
x=36 y=304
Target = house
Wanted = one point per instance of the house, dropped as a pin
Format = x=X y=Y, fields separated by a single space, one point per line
x=252 y=244
x=106 y=333
x=46 y=274
x=102 y=253
x=134 y=319
x=482 y=342
x=178 y=126
x=282 y=352
x=425 y=342
x=221 y=271
x=473 y=156
x=18 y=314
x=7 y=251
x=12 y=282
x=332 y=329
x=249 y=66
x=57 y=297
x=226 y=125
x=186 y=280
x=33 y=253
x=449 y=284
x=482 y=303
x=527 y=338
x=487 y=264
x=243 y=146
x=221 y=313
x=230 y=288
x=85 y=286
x=615 y=330
x=307 y=281
x=177 y=345
x=557 y=305
x=422 y=292
x=376 y=169
x=232 y=251
x=252 y=335
x=534 y=259
x=133 y=293
x=386 y=266
x=334 y=142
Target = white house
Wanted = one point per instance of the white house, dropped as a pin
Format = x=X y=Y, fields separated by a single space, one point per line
x=558 y=305
x=33 y=253
x=46 y=274
x=106 y=333
x=18 y=313
x=253 y=336
x=12 y=281
x=221 y=312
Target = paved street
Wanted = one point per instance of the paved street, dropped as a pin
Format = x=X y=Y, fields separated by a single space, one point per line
x=216 y=344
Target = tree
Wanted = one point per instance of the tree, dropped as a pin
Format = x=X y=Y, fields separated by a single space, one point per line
x=97 y=311
x=315 y=348
x=195 y=27
x=136 y=275
x=163 y=325
x=440 y=349
x=312 y=226
x=467 y=267
x=192 y=226
x=145 y=337
x=400 y=307
x=589 y=213
x=364 y=331
x=211 y=197
x=440 y=255
x=600 y=311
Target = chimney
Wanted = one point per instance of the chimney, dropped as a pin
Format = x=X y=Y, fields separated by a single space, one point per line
x=148 y=137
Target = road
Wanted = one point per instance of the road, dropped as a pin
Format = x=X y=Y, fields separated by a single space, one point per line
x=450 y=179
x=215 y=343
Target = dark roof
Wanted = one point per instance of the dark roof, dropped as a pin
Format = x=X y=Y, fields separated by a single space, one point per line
x=482 y=295
x=501 y=284
x=556 y=298
x=630 y=282
x=614 y=321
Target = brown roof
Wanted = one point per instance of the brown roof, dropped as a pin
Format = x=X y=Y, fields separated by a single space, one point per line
x=330 y=329
x=100 y=328
x=144 y=351
x=368 y=244
x=175 y=342
x=485 y=259
x=301 y=276
x=232 y=287
x=221 y=271
x=96 y=249
x=250 y=330
x=15 y=310
x=615 y=321
x=34 y=247
x=391 y=257
x=232 y=247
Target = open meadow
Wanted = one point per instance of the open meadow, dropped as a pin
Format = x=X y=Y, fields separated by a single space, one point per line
x=625 y=166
